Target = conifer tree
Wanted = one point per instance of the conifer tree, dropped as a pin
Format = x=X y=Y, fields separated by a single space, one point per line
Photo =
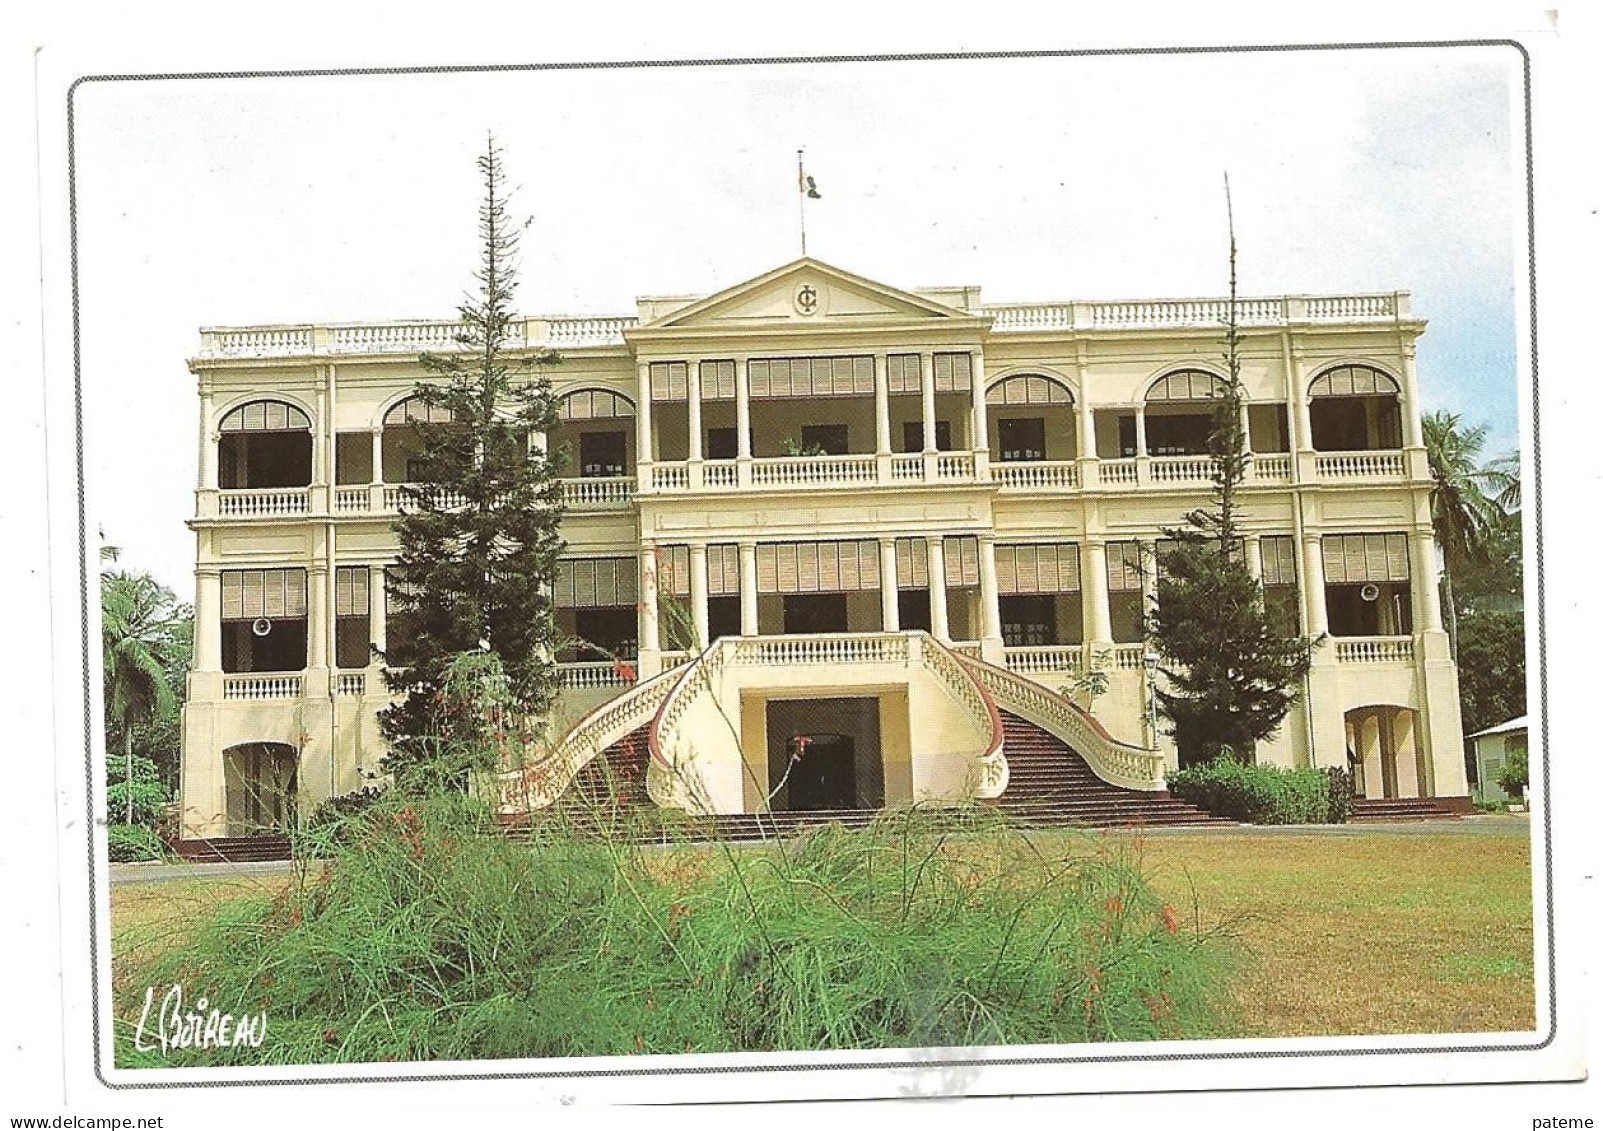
x=478 y=531
x=1229 y=678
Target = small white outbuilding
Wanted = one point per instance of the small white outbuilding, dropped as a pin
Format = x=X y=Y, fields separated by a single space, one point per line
x=1493 y=746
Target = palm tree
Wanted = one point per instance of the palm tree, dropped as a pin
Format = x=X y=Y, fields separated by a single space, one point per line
x=1468 y=502
x=137 y=619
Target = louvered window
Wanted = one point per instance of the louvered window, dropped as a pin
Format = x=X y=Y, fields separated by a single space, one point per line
x=1352 y=559
x=817 y=567
x=589 y=583
x=670 y=381
x=1042 y=568
x=777 y=377
x=718 y=380
x=248 y=594
x=1124 y=567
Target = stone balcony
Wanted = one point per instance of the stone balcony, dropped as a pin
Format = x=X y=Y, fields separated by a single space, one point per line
x=852 y=472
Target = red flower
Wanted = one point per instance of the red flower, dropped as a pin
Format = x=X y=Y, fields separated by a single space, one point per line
x=625 y=670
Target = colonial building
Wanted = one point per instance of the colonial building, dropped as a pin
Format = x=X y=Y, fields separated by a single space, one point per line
x=817 y=512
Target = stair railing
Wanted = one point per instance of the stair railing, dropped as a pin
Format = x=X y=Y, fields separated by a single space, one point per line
x=1117 y=763
x=536 y=784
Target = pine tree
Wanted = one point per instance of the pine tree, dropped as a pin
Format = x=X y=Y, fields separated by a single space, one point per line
x=478 y=532
x=1229 y=678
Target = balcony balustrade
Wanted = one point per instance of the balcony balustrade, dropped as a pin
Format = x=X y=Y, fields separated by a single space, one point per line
x=1359 y=465
x=1045 y=658
x=411 y=338
x=1375 y=650
x=587 y=674
x=272 y=502
x=264 y=685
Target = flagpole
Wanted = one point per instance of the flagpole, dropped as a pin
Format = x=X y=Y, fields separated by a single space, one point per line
x=801 y=203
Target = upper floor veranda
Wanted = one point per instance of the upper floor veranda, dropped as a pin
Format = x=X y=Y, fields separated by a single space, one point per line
x=812 y=379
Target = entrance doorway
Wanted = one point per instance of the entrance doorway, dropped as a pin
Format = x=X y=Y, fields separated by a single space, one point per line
x=259 y=786
x=825 y=754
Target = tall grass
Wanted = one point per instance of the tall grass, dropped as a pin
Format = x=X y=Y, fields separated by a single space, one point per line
x=429 y=934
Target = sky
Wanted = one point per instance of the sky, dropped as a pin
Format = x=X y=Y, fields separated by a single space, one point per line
x=250 y=201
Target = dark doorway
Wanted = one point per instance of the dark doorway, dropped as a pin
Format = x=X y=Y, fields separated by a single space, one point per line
x=259 y=787
x=602 y=455
x=913 y=609
x=825 y=754
x=815 y=612
x=723 y=617
x=825 y=776
x=1022 y=440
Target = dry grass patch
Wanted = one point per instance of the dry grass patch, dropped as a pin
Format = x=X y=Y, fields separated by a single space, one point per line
x=1366 y=934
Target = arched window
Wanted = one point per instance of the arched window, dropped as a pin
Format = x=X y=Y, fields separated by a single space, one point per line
x=595 y=404
x=1355 y=408
x=415 y=410
x=1028 y=388
x=401 y=449
x=1179 y=412
x=594 y=433
x=264 y=444
x=1034 y=418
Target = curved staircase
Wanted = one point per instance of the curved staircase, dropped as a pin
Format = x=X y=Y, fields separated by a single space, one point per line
x=1050 y=784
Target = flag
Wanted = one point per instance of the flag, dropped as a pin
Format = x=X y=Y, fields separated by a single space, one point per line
x=805 y=184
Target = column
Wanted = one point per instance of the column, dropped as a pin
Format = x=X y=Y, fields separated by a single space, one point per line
x=1141 y=431
x=375 y=488
x=317 y=618
x=978 y=427
x=693 y=403
x=208 y=445
x=1313 y=573
x=377 y=609
x=698 y=593
x=748 y=589
x=926 y=387
x=742 y=427
x=208 y=620
x=890 y=612
x=1254 y=551
x=1246 y=426
x=1086 y=434
x=1094 y=592
x=882 y=418
x=935 y=555
x=1428 y=615
x=1413 y=423
x=645 y=450
x=319 y=445
x=990 y=602
x=650 y=648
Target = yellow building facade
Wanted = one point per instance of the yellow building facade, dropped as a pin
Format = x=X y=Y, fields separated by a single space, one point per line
x=815 y=506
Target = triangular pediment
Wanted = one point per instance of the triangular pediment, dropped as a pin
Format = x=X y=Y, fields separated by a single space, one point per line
x=802 y=292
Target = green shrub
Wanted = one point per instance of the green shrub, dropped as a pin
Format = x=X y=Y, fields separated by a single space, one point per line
x=334 y=820
x=133 y=842
x=1256 y=794
x=1341 y=794
x=1515 y=774
x=432 y=935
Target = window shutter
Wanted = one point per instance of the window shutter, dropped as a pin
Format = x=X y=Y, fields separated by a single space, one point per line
x=1397 y=557
x=350 y=591
x=912 y=564
x=718 y=380
x=1278 y=560
x=670 y=380
x=902 y=373
x=962 y=555
x=767 y=569
x=1124 y=566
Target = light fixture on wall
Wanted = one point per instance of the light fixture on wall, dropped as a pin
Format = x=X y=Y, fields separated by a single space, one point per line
x=1370 y=592
x=261 y=626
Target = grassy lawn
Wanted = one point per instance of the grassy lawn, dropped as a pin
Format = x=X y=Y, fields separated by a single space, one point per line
x=1366 y=934
x=1346 y=935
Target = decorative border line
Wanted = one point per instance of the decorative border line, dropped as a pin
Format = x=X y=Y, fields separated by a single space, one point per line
x=772 y=60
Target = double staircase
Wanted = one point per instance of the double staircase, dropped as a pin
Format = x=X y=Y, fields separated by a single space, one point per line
x=1047 y=763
